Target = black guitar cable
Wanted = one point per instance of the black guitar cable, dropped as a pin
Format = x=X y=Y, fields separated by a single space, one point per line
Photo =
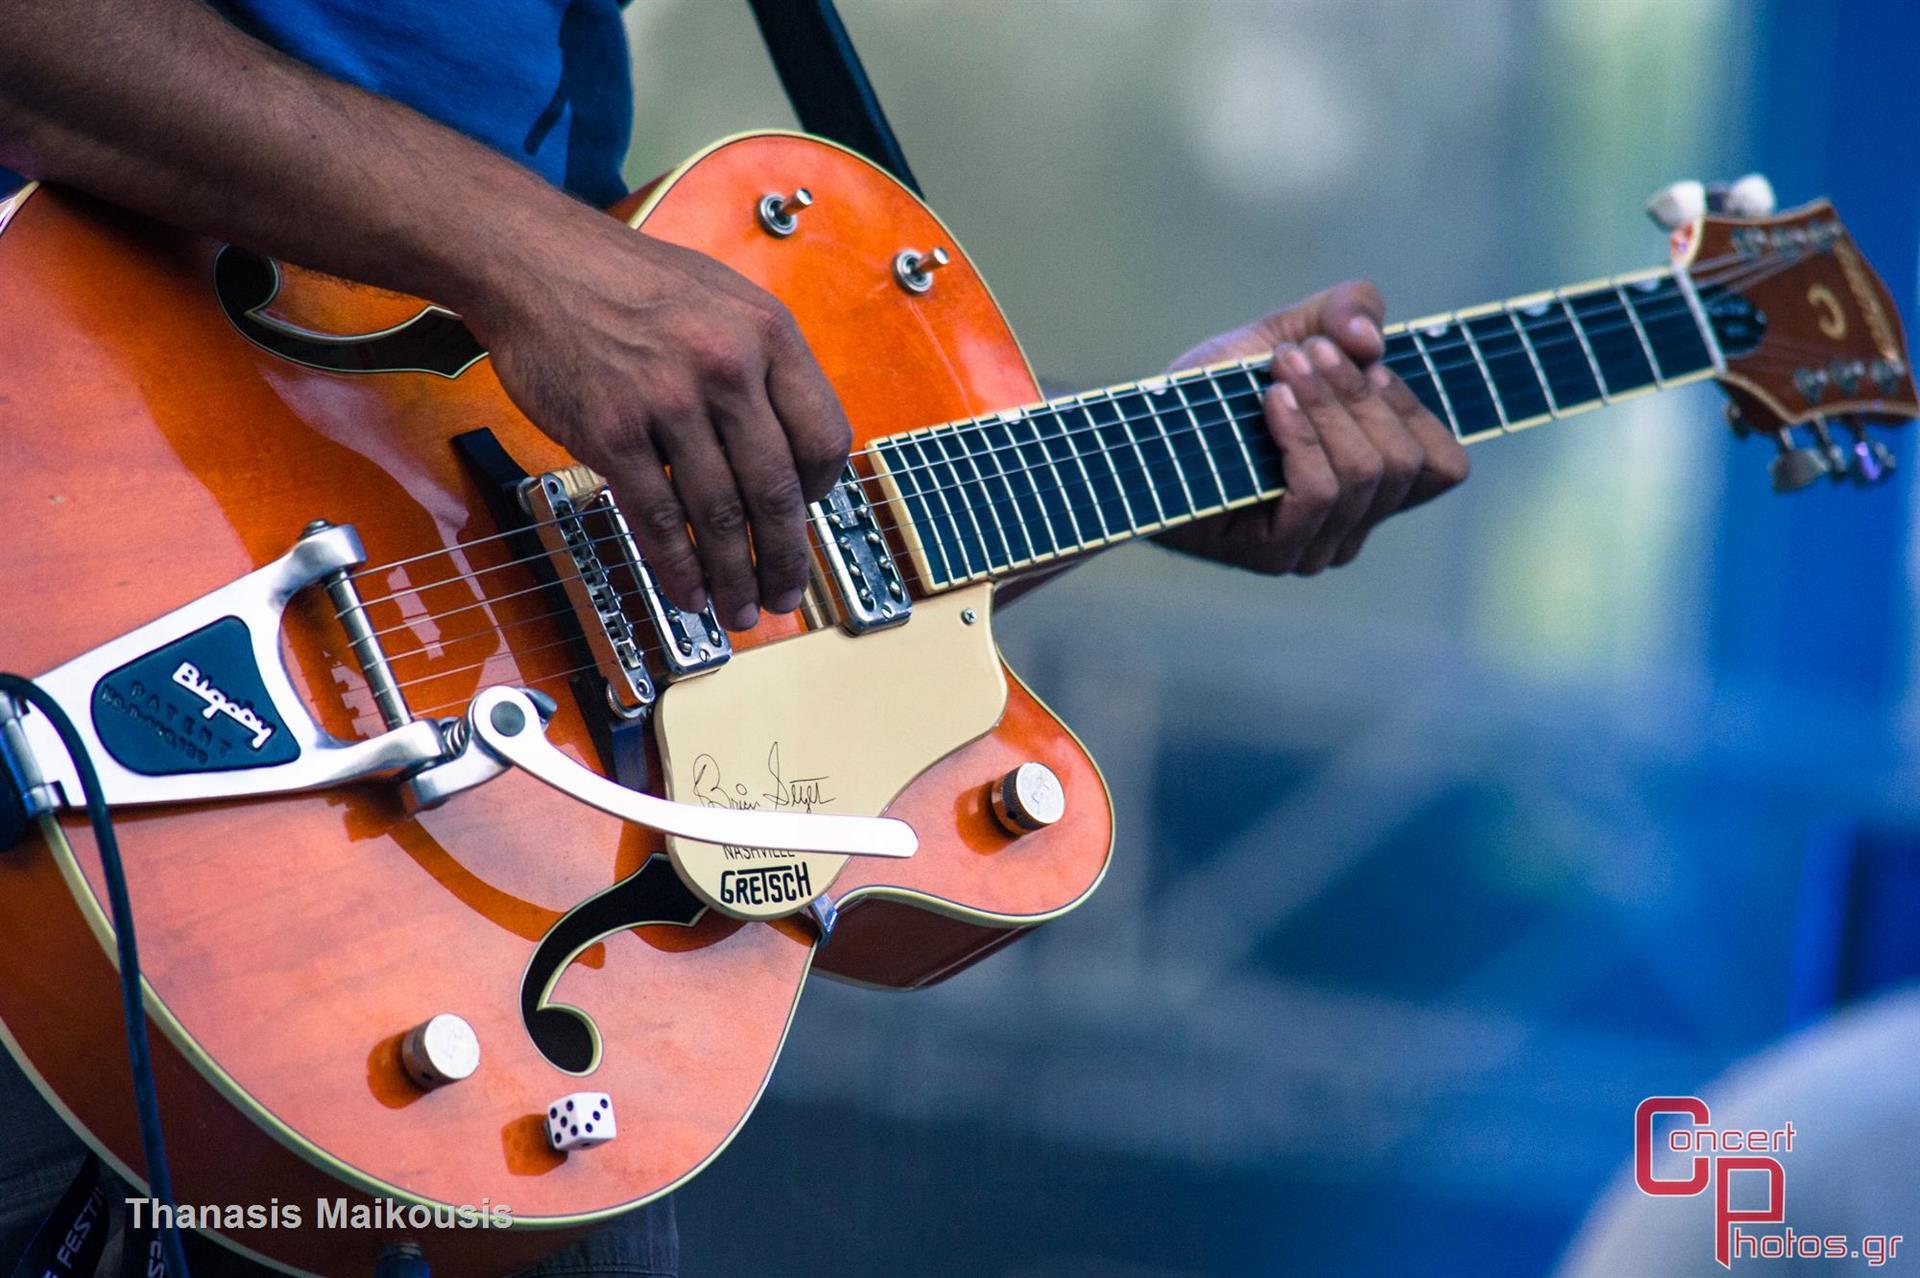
x=139 y=1051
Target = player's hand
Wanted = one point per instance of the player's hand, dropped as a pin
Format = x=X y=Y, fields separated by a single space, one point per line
x=1355 y=444
x=690 y=389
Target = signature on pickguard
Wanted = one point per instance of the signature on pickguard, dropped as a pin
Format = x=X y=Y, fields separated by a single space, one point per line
x=785 y=794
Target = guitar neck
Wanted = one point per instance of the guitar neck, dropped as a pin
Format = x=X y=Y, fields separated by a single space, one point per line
x=987 y=498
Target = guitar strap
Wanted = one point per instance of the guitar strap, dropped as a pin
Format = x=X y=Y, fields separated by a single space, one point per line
x=71 y=1239
x=825 y=81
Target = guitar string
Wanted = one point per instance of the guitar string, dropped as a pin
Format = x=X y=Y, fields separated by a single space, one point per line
x=1012 y=500
x=1508 y=347
x=1697 y=269
x=984 y=478
x=959 y=543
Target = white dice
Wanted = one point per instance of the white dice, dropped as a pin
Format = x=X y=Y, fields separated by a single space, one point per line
x=580 y=1121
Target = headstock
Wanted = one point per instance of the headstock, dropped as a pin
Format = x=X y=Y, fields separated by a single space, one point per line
x=1809 y=333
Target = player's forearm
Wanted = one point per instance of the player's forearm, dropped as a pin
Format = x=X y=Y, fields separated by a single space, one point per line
x=164 y=107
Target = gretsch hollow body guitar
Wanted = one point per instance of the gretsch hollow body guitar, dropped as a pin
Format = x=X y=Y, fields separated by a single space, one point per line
x=436 y=815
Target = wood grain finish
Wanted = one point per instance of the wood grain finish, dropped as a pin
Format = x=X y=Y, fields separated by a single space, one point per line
x=154 y=454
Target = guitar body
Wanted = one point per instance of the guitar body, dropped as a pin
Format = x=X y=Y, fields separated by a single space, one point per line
x=155 y=451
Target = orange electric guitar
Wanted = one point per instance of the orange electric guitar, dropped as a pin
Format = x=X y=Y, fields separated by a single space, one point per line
x=440 y=819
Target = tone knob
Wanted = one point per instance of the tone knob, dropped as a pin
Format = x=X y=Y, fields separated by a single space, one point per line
x=1028 y=798
x=438 y=1051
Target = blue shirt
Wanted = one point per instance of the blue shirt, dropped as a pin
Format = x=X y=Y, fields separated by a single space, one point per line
x=544 y=82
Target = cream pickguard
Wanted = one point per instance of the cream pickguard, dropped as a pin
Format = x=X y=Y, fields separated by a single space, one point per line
x=823 y=722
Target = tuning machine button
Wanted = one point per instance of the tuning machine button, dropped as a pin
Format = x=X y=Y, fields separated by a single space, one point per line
x=1872 y=460
x=440 y=1050
x=1028 y=798
x=1749 y=196
x=1795 y=467
x=915 y=269
x=1678 y=204
x=780 y=214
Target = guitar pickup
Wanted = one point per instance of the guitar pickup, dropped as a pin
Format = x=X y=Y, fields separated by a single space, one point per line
x=872 y=594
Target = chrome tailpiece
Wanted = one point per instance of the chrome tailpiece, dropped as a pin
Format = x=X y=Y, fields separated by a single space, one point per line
x=197 y=704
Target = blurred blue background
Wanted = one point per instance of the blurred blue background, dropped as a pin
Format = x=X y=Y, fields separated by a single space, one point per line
x=1429 y=869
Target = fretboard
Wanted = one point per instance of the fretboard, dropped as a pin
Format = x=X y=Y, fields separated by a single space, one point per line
x=1000 y=494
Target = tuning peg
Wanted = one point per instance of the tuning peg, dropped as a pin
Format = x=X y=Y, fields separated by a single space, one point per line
x=1872 y=460
x=1836 y=456
x=1678 y=204
x=1749 y=196
x=1795 y=467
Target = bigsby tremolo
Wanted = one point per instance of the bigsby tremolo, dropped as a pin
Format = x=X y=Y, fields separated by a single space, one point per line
x=198 y=705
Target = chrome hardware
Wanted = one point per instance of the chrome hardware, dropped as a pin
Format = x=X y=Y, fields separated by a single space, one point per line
x=38 y=796
x=1811 y=383
x=559 y=521
x=506 y=723
x=364 y=642
x=1886 y=374
x=779 y=214
x=1836 y=456
x=691 y=642
x=915 y=270
x=440 y=1050
x=1873 y=462
x=230 y=723
x=1846 y=374
x=1028 y=798
x=1678 y=204
x=1795 y=467
x=871 y=590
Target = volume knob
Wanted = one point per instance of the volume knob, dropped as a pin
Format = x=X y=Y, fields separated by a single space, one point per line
x=440 y=1050
x=1028 y=798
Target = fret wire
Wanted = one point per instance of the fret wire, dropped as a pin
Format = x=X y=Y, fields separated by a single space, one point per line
x=1533 y=357
x=1683 y=281
x=1186 y=406
x=930 y=549
x=1093 y=498
x=1126 y=504
x=1434 y=369
x=1060 y=485
x=1440 y=387
x=1157 y=414
x=1226 y=409
x=993 y=514
x=962 y=570
x=1639 y=330
x=1028 y=499
x=1599 y=378
x=1493 y=392
x=980 y=546
x=1125 y=423
x=1018 y=515
x=1033 y=482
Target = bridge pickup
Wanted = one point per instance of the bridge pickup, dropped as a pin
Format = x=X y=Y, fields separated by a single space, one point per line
x=872 y=594
x=560 y=503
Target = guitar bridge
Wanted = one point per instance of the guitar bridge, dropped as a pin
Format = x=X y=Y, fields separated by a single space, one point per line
x=599 y=565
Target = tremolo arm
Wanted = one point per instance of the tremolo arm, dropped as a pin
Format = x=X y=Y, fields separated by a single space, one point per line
x=197 y=705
